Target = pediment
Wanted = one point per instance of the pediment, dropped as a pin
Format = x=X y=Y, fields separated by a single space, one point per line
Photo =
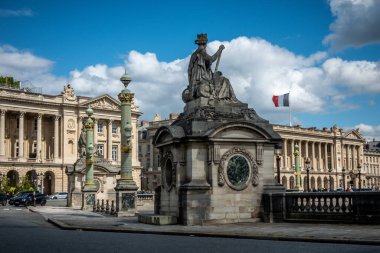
x=353 y=134
x=104 y=102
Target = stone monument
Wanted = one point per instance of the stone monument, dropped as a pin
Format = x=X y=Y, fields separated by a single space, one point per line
x=217 y=158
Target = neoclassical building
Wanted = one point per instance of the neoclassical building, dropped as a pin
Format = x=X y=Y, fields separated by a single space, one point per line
x=148 y=155
x=39 y=135
x=335 y=157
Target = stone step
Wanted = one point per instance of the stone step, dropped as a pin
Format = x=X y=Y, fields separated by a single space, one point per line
x=157 y=219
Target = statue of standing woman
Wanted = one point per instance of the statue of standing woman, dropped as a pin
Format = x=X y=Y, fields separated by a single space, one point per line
x=202 y=81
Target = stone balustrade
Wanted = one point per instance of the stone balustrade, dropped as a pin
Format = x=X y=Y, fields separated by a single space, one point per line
x=336 y=207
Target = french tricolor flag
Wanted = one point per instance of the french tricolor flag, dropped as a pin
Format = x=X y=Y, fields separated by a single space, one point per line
x=282 y=100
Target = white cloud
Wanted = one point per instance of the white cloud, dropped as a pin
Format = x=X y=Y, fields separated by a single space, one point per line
x=370 y=132
x=28 y=68
x=256 y=68
x=16 y=13
x=357 y=23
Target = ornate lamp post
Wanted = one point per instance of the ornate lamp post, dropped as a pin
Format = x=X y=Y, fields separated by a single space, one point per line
x=297 y=168
x=89 y=188
x=307 y=162
x=344 y=178
x=126 y=187
x=41 y=176
x=278 y=148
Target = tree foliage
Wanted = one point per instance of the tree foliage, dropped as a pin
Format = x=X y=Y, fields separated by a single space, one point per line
x=9 y=81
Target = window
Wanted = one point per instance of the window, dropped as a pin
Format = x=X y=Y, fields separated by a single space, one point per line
x=17 y=149
x=148 y=163
x=35 y=124
x=100 y=150
x=114 y=128
x=100 y=127
x=18 y=123
x=35 y=147
x=148 y=148
x=114 y=152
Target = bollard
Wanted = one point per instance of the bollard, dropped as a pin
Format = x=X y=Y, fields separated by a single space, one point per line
x=98 y=206
x=112 y=208
x=94 y=206
x=107 y=207
x=102 y=206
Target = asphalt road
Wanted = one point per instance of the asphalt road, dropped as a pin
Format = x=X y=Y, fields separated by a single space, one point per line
x=24 y=231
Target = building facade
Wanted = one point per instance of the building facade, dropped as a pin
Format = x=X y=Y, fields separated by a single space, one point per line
x=337 y=158
x=148 y=155
x=39 y=135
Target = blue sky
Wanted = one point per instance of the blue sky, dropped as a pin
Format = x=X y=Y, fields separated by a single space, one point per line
x=326 y=52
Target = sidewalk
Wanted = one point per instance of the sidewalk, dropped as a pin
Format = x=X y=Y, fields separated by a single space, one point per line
x=74 y=219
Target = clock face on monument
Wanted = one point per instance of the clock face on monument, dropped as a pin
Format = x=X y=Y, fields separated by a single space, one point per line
x=238 y=171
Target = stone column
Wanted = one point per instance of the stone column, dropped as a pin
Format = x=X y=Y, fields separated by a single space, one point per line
x=95 y=131
x=347 y=159
x=352 y=157
x=151 y=155
x=80 y=126
x=21 y=135
x=297 y=171
x=306 y=149
x=333 y=165
x=292 y=156
x=300 y=153
x=56 y=137
x=313 y=155
x=2 y=134
x=319 y=156
x=326 y=158
x=39 y=136
x=109 y=140
x=285 y=156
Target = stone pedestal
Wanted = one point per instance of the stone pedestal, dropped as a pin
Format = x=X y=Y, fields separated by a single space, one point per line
x=126 y=203
x=75 y=199
x=217 y=161
x=88 y=200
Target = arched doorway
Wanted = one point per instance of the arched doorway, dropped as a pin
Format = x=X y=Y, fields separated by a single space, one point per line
x=49 y=183
x=284 y=182
x=31 y=176
x=326 y=183
x=13 y=177
x=312 y=183
x=319 y=183
x=291 y=182
x=305 y=184
x=332 y=183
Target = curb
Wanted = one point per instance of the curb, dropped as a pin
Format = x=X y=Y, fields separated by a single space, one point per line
x=64 y=226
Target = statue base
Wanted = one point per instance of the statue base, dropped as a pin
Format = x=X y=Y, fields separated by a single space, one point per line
x=126 y=203
x=88 y=200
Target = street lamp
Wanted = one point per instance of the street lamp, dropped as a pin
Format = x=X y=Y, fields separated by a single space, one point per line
x=278 y=148
x=344 y=178
x=41 y=176
x=307 y=162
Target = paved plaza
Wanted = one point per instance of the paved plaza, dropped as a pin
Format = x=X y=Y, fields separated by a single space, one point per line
x=75 y=219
